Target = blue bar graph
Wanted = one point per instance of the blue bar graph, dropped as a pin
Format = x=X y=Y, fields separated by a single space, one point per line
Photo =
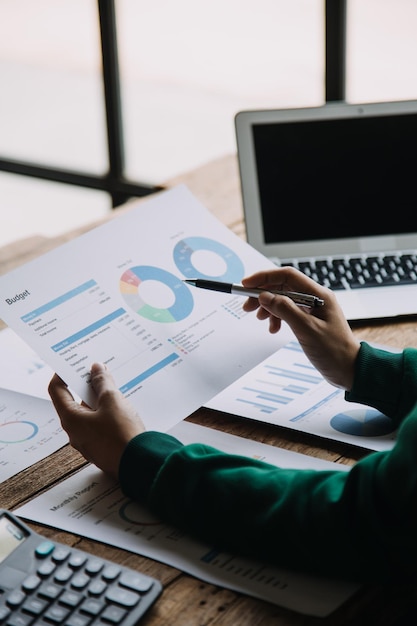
x=282 y=379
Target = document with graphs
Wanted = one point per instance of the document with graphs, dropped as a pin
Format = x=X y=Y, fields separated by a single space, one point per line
x=287 y=390
x=117 y=295
x=91 y=504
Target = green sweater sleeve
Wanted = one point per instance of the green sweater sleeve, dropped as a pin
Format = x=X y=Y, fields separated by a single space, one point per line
x=386 y=381
x=360 y=524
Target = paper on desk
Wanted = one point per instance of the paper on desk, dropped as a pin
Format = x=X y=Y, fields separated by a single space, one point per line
x=29 y=431
x=22 y=370
x=287 y=390
x=115 y=294
x=91 y=505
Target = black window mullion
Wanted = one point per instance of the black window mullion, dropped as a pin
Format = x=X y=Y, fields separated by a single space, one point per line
x=111 y=83
x=113 y=182
x=335 y=54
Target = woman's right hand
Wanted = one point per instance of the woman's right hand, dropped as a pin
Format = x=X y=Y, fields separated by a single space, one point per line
x=323 y=332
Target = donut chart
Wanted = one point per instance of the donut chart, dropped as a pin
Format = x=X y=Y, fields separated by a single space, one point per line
x=130 y=512
x=362 y=423
x=18 y=431
x=184 y=250
x=130 y=282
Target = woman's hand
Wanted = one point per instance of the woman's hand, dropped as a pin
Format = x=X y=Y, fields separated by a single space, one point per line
x=101 y=435
x=323 y=331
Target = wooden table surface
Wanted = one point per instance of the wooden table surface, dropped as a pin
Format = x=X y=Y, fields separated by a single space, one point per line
x=187 y=601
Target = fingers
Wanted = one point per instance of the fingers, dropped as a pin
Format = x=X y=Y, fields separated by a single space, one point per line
x=280 y=308
x=275 y=307
x=285 y=279
x=60 y=394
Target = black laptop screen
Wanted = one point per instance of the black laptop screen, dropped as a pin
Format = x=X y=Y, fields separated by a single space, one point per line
x=330 y=179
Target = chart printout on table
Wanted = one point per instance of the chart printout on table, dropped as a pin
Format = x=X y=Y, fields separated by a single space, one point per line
x=92 y=505
x=116 y=295
x=287 y=390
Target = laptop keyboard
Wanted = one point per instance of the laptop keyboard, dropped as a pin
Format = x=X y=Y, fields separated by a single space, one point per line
x=360 y=271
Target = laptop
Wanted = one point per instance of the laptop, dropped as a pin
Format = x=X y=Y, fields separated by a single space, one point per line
x=332 y=190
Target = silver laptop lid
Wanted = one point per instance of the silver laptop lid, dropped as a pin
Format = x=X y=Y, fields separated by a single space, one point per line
x=334 y=179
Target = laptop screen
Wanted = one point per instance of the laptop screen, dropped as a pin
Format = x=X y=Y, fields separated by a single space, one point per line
x=337 y=172
x=334 y=173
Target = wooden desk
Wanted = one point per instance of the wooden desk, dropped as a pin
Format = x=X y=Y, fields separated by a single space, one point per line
x=187 y=601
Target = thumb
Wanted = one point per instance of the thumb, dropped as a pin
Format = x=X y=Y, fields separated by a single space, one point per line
x=101 y=379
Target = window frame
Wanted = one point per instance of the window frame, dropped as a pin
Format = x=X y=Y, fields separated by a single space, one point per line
x=114 y=182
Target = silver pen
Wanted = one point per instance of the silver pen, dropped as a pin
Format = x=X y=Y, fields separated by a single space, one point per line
x=303 y=299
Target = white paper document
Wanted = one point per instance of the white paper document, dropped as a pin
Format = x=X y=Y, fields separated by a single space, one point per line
x=116 y=295
x=30 y=430
x=22 y=369
x=92 y=505
x=287 y=390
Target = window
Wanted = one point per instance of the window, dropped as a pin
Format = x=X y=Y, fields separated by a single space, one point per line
x=185 y=68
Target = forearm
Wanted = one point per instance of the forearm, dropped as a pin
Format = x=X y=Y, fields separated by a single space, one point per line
x=359 y=524
x=332 y=523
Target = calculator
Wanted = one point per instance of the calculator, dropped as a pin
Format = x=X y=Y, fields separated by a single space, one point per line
x=45 y=583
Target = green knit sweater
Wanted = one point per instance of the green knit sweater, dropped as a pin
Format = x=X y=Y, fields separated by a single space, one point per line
x=360 y=525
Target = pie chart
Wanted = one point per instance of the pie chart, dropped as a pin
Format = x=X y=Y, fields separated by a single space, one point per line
x=362 y=422
x=134 y=278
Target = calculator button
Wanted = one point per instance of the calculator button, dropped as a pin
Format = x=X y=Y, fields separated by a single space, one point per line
x=34 y=606
x=15 y=598
x=80 y=581
x=49 y=591
x=111 y=572
x=44 y=549
x=113 y=614
x=46 y=568
x=94 y=566
x=122 y=596
x=96 y=587
x=60 y=554
x=78 y=620
x=92 y=606
x=70 y=598
x=57 y=614
x=63 y=574
x=19 y=619
x=31 y=583
x=4 y=612
x=77 y=560
x=136 y=582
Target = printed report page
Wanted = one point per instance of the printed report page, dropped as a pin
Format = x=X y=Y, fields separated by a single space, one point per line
x=116 y=295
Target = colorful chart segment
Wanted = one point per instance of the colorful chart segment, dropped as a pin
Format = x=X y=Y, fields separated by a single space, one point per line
x=130 y=283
